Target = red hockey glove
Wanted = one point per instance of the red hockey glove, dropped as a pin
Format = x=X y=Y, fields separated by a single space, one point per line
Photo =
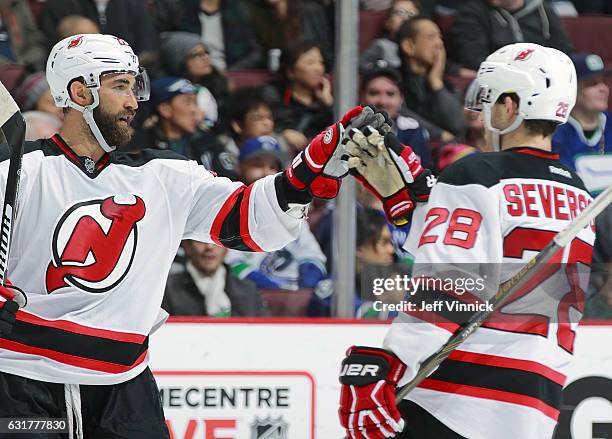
x=367 y=398
x=319 y=168
x=8 y=308
x=390 y=170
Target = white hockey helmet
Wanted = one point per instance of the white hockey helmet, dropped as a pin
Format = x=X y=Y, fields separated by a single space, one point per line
x=88 y=57
x=543 y=78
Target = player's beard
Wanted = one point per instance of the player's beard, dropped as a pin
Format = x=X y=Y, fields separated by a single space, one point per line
x=113 y=133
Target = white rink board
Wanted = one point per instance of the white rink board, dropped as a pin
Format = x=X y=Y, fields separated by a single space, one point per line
x=227 y=380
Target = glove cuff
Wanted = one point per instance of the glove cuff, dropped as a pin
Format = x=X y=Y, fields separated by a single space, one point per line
x=398 y=207
x=365 y=365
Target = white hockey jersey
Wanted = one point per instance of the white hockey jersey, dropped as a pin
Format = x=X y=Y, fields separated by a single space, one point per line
x=497 y=210
x=93 y=244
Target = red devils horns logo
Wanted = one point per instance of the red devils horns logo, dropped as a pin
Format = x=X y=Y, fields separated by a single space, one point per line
x=75 y=42
x=524 y=55
x=94 y=244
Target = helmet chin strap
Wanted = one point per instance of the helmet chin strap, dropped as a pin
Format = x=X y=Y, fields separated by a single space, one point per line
x=89 y=118
x=496 y=133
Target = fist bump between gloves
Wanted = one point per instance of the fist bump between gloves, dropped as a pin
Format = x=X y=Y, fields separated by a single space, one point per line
x=388 y=169
x=319 y=168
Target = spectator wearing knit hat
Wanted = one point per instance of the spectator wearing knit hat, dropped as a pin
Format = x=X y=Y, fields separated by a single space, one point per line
x=185 y=55
x=34 y=94
x=178 y=127
x=589 y=127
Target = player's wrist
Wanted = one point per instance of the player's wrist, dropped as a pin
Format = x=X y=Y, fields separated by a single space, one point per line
x=288 y=195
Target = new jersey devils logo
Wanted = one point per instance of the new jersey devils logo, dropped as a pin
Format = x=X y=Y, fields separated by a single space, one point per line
x=94 y=244
x=524 y=55
x=75 y=42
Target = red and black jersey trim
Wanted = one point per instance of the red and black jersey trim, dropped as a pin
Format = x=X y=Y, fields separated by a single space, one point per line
x=76 y=345
x=514 y=381
x=230 y=227
x=81 y=162
x=521 y=162
x=445 y=306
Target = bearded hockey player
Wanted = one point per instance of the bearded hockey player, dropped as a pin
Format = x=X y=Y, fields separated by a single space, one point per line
x=97 y=230
x=494 y=210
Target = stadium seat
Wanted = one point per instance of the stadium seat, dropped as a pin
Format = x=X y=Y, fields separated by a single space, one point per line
x=283 y=303
x=591 y=33
x=249 y=78
x=370 y=27
x=11 y=75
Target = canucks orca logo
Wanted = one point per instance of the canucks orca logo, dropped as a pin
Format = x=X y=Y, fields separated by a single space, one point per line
x=94 y=244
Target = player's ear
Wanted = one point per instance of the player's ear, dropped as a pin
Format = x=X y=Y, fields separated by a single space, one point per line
x=164 y=110
x=80 y=94
x=511 y=107
x=236 y=127
x=407 y=46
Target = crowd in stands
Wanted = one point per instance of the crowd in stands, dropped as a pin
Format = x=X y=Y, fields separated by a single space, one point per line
x=241 y=86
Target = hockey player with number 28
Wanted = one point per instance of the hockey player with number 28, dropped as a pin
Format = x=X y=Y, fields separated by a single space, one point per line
x=97 y=230
x=495 y=209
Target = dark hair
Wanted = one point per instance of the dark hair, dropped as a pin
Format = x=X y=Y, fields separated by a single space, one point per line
x=370 y=75
x=408 y=30
x=243 y=101
x=544 y=128
x=293 y=52
x=370 y=224
x=416 y=3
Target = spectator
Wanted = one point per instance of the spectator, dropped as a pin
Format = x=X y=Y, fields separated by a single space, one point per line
x=483 y=26
x=206 y=288
x=114 y=17
x=301 y=264
x=76 y=25
x=40 y=125
x=249 y=115
x=374 y=259
x=34 y=94
x=302 y=99
x=589 y=128
x=423 y=64
x=177 y=129
x=224 y=27
x=21 y=42
x=381 y=89
x=185 y=55
x=280 y=22
x=384 y=51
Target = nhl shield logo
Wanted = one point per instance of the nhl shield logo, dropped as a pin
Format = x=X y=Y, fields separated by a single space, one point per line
x=90 y=165
x=269 y=428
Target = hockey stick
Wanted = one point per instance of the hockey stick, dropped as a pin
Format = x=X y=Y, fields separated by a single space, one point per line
x=12 y=132
x=510 y=287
